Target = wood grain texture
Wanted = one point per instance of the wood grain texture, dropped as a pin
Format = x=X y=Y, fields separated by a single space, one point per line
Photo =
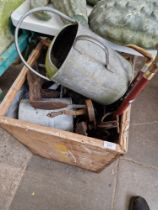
x=59 y=145
x=124 y=130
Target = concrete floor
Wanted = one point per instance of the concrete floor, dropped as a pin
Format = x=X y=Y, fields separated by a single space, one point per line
x=30 y=182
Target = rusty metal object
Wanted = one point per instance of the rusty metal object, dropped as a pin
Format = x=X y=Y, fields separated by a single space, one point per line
x=138 y=85
x=91 y=112
x=48 y=93
x=36 y=94
x=46 y=42
x=108 y=123
x=47 y=104
x=67 y=112
x=81 y=128
x=87 y=110
x=35 y=84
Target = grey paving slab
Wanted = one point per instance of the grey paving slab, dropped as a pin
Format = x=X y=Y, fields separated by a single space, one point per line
x=136 y=180
x=145 y=108
x=49 y=185
x=10 y=178
x=12 y=152
x=143 y=144
x=13 y=161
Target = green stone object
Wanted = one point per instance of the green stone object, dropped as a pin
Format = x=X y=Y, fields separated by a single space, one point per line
x=6 y=8
x=126 y=21
x=76 y=9
x=40 y=15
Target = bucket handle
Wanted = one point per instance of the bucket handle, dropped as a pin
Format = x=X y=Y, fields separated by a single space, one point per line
x=39 y=9
x=98 y=43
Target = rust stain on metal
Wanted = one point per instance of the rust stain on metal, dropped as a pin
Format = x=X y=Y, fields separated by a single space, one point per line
x=81 y=128
x=48 y=93
x=67 y=112
x=47 y=105
x=91 y=111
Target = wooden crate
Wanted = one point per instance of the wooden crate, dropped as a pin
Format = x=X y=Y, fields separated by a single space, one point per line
x=85 y=152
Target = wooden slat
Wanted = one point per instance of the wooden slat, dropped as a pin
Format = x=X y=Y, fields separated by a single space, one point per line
x=124 y=131
x=59 y=145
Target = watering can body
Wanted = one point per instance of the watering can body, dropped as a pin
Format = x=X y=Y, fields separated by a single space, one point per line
x=79 y=60
x=95 y=71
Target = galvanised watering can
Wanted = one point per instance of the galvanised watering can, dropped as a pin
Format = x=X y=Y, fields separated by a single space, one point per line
x=82 y=61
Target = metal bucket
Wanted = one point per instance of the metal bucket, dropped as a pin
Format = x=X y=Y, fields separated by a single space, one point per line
x=41 y=116
x=76 y=61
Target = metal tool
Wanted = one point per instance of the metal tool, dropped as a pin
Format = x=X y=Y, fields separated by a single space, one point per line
x=91 y=112
x=138 y=85
x=148 y=61
x=81 y=128
x=40 y=98
x=77 y=110
x=67 y=112
x=109 y=124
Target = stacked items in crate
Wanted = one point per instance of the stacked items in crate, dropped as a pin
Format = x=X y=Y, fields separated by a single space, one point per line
x=51 y=104
x=79 y=84
x=100 y=80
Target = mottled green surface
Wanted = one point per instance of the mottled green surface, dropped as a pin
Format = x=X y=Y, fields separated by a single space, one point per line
x=126 y=21
x=6 y=8
x=73 y=8
x=38 y=3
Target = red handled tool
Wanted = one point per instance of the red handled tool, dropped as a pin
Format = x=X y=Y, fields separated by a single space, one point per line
x=139 y=83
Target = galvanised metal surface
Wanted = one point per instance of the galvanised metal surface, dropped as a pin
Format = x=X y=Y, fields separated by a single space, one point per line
x=104 y=81
x=86 y=65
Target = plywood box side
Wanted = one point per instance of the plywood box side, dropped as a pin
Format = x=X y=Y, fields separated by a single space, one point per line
x=57 y=133
x=61 y=149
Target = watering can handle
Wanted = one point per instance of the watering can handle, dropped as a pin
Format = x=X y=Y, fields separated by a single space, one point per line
x=39 y=9
x=97 y=42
